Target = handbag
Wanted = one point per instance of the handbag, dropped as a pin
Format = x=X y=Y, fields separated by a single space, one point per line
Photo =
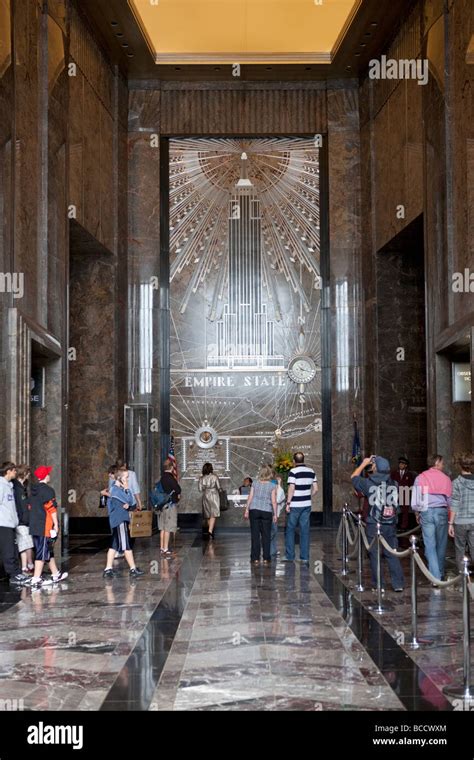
x=223 y=503
x=141 y=524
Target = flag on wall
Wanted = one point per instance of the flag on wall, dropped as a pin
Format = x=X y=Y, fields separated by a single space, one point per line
x=356 y=453
x=172 y=457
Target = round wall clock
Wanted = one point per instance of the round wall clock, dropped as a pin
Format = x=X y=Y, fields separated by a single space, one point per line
x=302 y=369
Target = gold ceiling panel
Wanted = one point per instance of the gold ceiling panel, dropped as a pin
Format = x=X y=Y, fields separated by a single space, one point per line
x=244 y=31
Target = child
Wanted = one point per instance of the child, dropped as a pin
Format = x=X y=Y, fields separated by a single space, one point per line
x=281 y=501
x=23 y=537
x=119 y=503
x=44 y=528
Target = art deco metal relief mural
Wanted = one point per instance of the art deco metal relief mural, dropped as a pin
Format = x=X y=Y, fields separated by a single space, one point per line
x=245 y=303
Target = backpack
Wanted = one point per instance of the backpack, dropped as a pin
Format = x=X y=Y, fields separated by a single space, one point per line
x=383 y=503
x=159 y=499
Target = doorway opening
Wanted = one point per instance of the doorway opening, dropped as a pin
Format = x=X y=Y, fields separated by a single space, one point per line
x=401 y=348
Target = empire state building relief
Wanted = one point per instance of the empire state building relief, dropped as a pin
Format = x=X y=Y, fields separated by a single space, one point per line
x=245 y=302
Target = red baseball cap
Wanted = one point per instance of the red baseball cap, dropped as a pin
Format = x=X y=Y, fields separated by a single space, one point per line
x=42 y=471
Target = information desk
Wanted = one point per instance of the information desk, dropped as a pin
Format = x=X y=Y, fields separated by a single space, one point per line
x=237 y=499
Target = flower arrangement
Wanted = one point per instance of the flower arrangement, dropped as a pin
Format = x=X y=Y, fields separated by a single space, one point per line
x=282 y=461
x=282 y=464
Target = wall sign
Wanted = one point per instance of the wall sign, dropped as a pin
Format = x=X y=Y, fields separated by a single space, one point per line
x=37 y=386
x=461 y=381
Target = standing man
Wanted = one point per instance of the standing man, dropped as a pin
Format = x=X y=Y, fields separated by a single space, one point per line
x=405 y=480
x=8 y=523
x=382 y=495
x=302 y=485
x=461 y=516
x=168 y=517
x=431 y=498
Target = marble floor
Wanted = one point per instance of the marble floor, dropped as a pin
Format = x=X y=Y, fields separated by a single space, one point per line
x=207 y=631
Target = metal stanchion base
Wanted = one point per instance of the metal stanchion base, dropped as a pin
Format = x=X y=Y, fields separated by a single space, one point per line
x=460 y=692
x=381 y=610
x=418 y=643
x=378 y=610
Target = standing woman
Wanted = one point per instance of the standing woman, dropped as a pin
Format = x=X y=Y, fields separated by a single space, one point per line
x=209 y=486
x=261 y=509
x=168 y=517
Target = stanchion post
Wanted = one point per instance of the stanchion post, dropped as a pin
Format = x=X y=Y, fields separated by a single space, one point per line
x=344 y=570
x=360 y=585
x=414 y=643
x=379 y=607
x=466 y=691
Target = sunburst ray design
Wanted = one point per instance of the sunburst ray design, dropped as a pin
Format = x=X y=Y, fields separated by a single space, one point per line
x=203 y=174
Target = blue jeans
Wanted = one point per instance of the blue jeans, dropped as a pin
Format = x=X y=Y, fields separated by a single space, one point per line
x=389 y=532
x=434 y=525
x=297 y=516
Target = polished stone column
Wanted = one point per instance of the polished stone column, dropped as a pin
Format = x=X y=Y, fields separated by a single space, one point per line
x=345 y=286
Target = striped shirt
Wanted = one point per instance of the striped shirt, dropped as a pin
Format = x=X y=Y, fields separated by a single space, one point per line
x=302 y=478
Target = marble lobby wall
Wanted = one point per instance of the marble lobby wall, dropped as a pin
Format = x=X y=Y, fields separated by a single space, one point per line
x=93 y=428
x=459 y=325
x=6 y=200
x=400 y=321
x=262 y=109
x=344 y=301
x=70 y=138
x=34 y=89
x=391 y=199
x=416 y=152
x=98 y=105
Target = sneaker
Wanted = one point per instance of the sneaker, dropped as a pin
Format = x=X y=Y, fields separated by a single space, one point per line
x=40 y=582
x=108 y=573
x=19 y=580
x=375 y=590
x=59 y=577
x=135 y=572
x=398 y=590
x=119 y=555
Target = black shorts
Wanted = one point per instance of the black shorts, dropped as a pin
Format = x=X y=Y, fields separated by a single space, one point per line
x=43 y=550
x=121 y=537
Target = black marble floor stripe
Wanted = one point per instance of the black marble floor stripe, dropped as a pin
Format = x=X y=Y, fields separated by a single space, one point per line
x=136 y=683
x=9 y=596
x=414 y=689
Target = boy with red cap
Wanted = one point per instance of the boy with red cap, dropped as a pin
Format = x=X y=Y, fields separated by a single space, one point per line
x=44 y=528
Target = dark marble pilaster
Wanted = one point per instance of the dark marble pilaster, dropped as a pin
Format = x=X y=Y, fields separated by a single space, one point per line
x=143 y=255
x=346 y=304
